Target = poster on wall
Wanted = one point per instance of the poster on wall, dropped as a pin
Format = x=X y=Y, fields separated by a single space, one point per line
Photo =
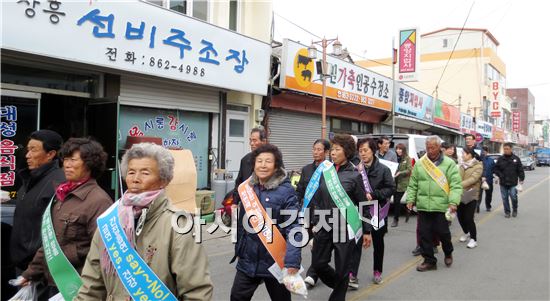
x=178 y=130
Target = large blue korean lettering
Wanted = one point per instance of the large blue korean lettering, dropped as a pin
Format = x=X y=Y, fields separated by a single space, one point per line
x=208 y=50
x=94 y=17
x=178 y=40
x=235 y=55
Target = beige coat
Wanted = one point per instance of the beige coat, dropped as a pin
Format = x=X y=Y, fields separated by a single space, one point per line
x=175 y=258
x=471 y=178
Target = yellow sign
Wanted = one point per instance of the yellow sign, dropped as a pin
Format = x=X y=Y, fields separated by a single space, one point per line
x=303 y=68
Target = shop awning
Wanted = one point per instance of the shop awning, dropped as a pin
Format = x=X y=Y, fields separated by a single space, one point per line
x=409 y=122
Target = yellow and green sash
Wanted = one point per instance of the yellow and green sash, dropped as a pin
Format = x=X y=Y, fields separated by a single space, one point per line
x=435 y=173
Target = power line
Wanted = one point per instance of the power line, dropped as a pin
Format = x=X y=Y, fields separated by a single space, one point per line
x=319 y=37
x=456 y=43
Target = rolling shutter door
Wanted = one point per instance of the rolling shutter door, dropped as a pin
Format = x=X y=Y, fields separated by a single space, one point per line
x=294 y=133
x=168 y=94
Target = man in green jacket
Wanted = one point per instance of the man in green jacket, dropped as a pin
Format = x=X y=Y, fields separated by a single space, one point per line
x=435 y=187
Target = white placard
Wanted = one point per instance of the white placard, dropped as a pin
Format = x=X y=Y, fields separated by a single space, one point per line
x=391 y=165
x=139 y=37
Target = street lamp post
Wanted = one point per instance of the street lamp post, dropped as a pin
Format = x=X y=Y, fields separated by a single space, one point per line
x=312 y=54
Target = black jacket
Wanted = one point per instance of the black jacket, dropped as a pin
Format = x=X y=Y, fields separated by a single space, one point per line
x=305 y=177
x=509 y=169
x=245 y=171
x=381 y=181
x=33 y=197
x=353 y=185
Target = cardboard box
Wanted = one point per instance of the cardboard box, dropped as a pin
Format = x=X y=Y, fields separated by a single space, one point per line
x=183 y=187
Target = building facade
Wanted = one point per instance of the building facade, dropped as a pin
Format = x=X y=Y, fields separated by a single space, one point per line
x=117 y=70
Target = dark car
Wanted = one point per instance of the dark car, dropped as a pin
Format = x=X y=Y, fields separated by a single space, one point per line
x=528 y=163
x=494 y=156
x=543 y=159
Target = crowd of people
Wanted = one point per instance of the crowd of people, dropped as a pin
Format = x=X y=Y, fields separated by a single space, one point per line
x=71 y=240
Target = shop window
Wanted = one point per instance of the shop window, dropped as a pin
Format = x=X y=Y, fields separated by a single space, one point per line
x=336 y=123
x=233 y=14
x=236 y=128
x=179 y=6
x=200 y=9
x=355 y=126
x=157 y=2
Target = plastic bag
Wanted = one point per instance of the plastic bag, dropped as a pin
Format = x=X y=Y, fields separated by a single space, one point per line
x=294 y=283
x=519 y=187
x=449 y=215
x=484 y=185
x=26 y=293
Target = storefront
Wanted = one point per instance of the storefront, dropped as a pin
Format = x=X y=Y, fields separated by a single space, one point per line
x=357 y=100
x=497 y=139
x=413 y=109
x=115 y=69
x=485 y=131
x=448 y=117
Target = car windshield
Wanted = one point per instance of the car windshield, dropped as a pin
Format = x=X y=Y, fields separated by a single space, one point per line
x=543 y=156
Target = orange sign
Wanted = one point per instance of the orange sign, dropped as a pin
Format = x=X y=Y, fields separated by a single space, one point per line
x=344 y=81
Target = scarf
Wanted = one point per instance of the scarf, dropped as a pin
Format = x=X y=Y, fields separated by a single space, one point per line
x=468 y=164
x=130 y=208
x=64 y=188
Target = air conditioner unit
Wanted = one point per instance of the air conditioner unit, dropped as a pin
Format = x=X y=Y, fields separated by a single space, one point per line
x=259 y=115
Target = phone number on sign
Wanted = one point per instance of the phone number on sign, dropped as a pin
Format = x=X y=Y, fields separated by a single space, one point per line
x=165 y=64
x=354 y=98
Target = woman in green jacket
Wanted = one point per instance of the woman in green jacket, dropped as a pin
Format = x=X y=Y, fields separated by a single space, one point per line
x=402 y=177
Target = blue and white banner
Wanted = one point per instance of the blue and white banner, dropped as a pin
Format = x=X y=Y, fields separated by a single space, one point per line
x=312 y=186
x=138 y=278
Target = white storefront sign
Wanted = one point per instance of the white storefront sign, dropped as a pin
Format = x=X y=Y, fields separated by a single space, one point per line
x=138 y=37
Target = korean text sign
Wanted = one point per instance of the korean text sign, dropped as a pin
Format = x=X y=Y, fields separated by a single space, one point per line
x=446 y=114
x=139 y=37
x=345 y=81
x=413 y=103
x=408 y=55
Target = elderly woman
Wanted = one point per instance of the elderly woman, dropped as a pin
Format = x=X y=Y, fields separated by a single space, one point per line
x=268 y=188
x=471 y=170
x=71 y=216
x=379 y=185
x=340 y=184
x=145 y=257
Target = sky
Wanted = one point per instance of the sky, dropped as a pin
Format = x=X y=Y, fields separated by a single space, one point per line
x=366 y=28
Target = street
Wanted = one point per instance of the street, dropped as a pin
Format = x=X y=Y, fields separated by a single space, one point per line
x=510 y=262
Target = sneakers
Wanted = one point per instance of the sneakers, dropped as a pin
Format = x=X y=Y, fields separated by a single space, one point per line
x=471 y=244
x=377 y=277
x=353 y=282
x=423 y=267
x=417 y=251
x=394 y=223
x=464 y=237
x=436 y=250
x=310 y=282
x=507 y=215
x=514 y=214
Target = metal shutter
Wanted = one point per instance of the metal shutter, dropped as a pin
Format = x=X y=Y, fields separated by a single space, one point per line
x=168 y=94
x=294 y=134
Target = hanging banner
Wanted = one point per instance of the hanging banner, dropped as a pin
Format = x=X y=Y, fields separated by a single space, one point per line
x=516 y=121
x=408 y=55
x=345 y=81
x=498 y=135
x=413 y=103
x=446 y=115
x=495 y=99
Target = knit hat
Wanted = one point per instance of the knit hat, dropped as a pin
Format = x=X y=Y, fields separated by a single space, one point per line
x=50 y=139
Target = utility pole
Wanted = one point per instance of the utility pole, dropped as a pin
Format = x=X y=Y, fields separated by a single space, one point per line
x=393 y=86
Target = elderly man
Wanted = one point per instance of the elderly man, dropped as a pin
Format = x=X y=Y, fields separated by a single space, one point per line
x=257 y=139
x=435 y=187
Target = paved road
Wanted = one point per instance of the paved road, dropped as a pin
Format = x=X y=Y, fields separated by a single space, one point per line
x=511 y=261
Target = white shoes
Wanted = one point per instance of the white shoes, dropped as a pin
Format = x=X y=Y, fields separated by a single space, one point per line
x=464 y=237
x=471 y=244
x=310 y=282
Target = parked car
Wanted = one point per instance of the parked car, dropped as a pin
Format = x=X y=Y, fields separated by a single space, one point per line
x=543 y=159
x=528 y=163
